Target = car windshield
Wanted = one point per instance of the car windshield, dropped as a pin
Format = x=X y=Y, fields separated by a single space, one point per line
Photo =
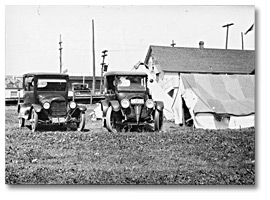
x=51 y=84
x=131 y=83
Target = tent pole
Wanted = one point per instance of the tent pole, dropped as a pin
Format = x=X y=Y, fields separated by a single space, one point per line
x=183 y=114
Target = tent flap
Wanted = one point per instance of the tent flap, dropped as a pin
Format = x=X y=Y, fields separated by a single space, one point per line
x=208 y=96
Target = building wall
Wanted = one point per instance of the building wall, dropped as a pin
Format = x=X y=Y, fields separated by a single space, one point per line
x=169 y=81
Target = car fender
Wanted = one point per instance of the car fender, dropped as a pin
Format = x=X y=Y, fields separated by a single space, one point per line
x=23 y=109
x=159 y=105
x=81 y=107
x=115 y=105
x=104 y=107
x=36 y=107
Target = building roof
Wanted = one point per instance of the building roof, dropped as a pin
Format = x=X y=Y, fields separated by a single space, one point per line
x=196 y=60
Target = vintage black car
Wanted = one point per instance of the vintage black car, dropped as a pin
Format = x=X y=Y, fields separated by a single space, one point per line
x=128 y=102
x=45 y=101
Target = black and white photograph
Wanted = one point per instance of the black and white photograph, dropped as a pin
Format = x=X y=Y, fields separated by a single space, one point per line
x=130 y=95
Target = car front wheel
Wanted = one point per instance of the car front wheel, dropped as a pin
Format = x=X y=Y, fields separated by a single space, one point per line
x=34 y=120
x=21 y=122
x=110 y=121
x=82 y=122
x=158 y=120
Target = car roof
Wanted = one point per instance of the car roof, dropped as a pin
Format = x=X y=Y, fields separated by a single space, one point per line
x=125 y=73
x=45 y=74
x=79 y=83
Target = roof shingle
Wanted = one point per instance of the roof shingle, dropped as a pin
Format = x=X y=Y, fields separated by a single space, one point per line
x=183 y=59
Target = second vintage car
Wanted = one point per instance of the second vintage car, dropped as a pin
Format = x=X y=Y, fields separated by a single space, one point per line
x=128 y=102
x=45 y=101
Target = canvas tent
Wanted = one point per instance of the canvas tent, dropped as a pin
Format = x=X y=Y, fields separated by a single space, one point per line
x=216 y=101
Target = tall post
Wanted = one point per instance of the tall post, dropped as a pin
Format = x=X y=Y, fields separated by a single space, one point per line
x=102 y=69
x=101 y=76
x=94 y=65
x=227 y=34
x=242 y=37
x=60 y=57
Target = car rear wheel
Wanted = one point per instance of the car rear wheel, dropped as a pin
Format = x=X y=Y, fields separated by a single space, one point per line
x=158 y=120
x=34 y=120
x=82 y=122
x=21 y=122
x=110 y=121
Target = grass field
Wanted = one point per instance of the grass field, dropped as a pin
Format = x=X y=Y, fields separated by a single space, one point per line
x=175 y=155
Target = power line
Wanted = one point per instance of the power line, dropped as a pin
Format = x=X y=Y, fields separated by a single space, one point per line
x=125 y=44
x=114 y=50
x=202 y=33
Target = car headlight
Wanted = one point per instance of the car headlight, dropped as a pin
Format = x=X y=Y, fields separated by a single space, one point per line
x=149 y=103
x=72 y=104
x=46 y=105
x=125 y=103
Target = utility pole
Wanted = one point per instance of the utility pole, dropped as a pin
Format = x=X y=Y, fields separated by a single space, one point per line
x=102 y=69
x=173 y=43
x=242 y=37
x=227 y=34
x=60 y=49
x=94 y=66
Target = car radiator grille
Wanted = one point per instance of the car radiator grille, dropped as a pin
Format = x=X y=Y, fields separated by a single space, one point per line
x=58 y=108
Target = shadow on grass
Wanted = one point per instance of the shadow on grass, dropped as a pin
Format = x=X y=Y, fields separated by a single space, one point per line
x=143 y=128
x=53 y=127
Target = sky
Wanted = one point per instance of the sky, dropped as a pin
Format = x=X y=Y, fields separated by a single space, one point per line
x=32 y=34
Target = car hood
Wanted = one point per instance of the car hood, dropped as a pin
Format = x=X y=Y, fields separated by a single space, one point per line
x=49 y=98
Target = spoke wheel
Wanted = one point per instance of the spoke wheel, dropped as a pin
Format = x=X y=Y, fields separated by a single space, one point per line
x=158 y=120
x=82 y=122
x=34 y=120
x=110 y=121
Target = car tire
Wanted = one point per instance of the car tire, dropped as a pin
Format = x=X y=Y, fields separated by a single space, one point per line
x=82 y=122
x=104 y=122
x=34 y=120
x=110 y=124
x=21 y=122
x=158 y=120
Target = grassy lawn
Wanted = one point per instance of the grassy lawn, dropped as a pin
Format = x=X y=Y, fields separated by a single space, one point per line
x=175 y=155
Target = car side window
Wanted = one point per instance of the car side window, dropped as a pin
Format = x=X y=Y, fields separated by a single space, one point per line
x=110 y=84
x=29 y=83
